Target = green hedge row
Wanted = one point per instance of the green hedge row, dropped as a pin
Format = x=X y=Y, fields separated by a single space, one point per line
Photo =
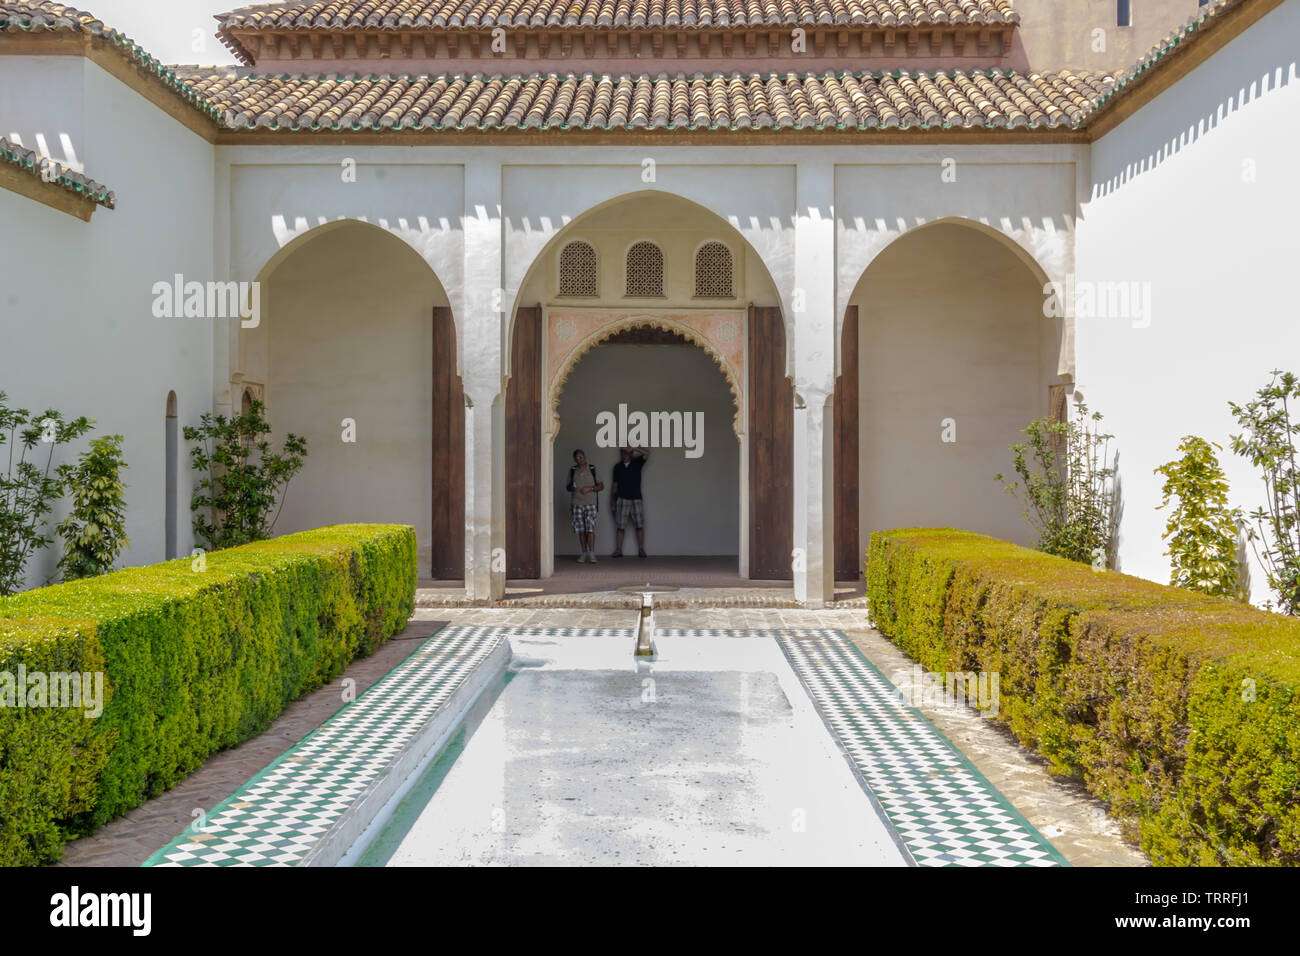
x=194 y=661
x=1180 y=711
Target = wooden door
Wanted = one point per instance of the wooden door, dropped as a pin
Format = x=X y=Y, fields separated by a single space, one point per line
x=771 y=449
x=447 y=551
x=849 y=558
x=524 y=448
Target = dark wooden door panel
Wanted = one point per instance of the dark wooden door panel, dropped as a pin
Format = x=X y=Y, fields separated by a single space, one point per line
x=524 y=447
x=771 y=449
x=848 y=548
x=447 y=553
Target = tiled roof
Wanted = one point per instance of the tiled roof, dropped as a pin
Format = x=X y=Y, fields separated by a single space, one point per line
x=452 y=14
x=1206 y=18
x=30 y=162
x=606 y=102
x=41 y=16
x=384 y=16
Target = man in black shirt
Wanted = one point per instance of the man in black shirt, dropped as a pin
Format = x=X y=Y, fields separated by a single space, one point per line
x=625 y=499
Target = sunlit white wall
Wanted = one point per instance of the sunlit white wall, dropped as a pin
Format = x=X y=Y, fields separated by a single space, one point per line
x=1197 y=195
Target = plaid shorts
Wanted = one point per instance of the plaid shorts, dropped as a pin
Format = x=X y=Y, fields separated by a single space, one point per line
x=633 y=508
x=584 y=518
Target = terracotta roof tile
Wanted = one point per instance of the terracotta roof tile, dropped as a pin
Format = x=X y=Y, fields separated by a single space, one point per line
x=400 y=15
x=31 y=162
x=41 y=16
x=957 y=99
x=1195 y=26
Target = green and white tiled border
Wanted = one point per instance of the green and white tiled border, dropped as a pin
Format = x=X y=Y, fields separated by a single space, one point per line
x=943 y=810
x=310 y=805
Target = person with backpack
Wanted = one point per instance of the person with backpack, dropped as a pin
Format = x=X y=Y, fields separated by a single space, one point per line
x=584 y=499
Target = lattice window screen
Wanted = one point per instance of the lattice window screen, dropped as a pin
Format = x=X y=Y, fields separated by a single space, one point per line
x=645 y=269
x=578 y=269
x=713 y=271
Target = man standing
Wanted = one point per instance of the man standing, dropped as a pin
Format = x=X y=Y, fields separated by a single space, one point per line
x=625 y=497
x=584 y=497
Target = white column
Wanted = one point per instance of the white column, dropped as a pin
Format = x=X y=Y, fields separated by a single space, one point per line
x=481 y=334
x=814 y=382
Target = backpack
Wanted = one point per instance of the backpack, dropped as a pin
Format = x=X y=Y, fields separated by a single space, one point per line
x=594 y=480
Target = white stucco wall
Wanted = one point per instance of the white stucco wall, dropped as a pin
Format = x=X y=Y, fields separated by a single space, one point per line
x=41 y=106
x=691 y=503
x=77 y=332
x=1026 y=196
x=967 y=342
x=347 y=333
x=1196 y=194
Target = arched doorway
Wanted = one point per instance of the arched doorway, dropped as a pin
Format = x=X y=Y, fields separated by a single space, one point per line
x=649 y=386
x=656 y=260
x=955 y=357
x=357 y=350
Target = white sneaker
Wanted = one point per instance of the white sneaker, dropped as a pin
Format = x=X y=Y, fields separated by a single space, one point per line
x=591 y=558
x=582 y=559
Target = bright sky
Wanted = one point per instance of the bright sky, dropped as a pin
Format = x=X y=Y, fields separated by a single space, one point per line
x=175 y=31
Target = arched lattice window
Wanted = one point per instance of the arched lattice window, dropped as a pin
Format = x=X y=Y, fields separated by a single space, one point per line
x=713 y=271
x=645 y=269
x=578 y=269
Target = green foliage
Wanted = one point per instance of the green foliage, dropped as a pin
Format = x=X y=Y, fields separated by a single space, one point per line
x=195 y=661
x=1202 y=529
x=242 y=476
x=1179 y=710
x=1066 y=486
x=1269 y=442
x=28 y=488
x=94 y=534
x=50 y=757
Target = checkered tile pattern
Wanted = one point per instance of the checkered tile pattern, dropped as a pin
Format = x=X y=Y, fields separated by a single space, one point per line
x=944 y=811
x=280 y=815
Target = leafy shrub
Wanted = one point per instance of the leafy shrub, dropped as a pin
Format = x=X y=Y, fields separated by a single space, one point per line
x=94 y=534
x=1066 y=486
x=50 y=758
x=195 y=661
x=1269 y=441
x=28 y=489
x=1202 y=529
x=1181 y=711
x=242 y=476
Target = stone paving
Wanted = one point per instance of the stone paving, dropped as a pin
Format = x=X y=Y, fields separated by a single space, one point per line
x=704 y=582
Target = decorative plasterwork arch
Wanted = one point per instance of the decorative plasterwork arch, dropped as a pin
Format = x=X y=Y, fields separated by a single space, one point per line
x=572 y=333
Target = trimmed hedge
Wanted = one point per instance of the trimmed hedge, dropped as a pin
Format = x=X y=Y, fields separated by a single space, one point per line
x=194 y=662
x=1180 y=711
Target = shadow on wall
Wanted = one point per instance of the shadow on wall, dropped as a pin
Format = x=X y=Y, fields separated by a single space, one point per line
x=1241 y=75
